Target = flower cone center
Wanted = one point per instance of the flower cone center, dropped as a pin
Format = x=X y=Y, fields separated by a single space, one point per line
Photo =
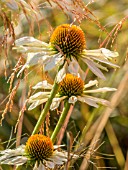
x=39 y=147
x=69 y=40
x=71 y=86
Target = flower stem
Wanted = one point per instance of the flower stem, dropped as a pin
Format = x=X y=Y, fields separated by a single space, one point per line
x=61 y=121
x=46 y=108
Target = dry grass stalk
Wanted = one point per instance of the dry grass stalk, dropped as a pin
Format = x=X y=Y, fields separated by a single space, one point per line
x=62 y=130
x=9 y=104
x=115 y=145
x=117 y=97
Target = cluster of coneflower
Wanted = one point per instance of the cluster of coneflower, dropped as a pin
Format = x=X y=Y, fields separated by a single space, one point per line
x=66 y=50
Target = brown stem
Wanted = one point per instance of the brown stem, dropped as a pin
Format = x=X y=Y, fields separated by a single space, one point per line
x=62 y=130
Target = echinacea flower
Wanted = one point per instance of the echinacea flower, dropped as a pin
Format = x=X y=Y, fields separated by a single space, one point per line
x=67 y=48
x=39 y=151
x=71 y=88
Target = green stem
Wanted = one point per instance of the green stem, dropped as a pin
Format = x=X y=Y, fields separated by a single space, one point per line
x=61 y=121
x=46 y=108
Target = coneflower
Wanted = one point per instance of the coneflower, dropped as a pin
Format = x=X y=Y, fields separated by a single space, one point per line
x=67 y=47
x=39 y=152
x=71 y=88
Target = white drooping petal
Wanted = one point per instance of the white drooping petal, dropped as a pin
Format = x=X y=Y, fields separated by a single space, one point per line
x=102 y=51
x=22 y=69
x=102 y=59
x=35 y=58
x=92 y=66
x=101 y=55
x=87 y=100
x=59 y=157
x=72 y=99
x=101 y=67
x=29 y=49
x=30 y=41
x=101 y=90
x=50 y=164
x=13 y=152
x=56 y=102
x=52 y=62
x=95 y=100
x=108 y=53
x=43 y=85
x=32 y=59
x=38 y=96
x=91 y=83
x=13 y=156
x=37 y=103
x=75 y=69
x=17 y=160
x=61 y=74
x=40 y=167
x=58 y=146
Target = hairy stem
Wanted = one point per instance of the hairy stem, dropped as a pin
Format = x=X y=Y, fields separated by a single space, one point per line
x=61 y=121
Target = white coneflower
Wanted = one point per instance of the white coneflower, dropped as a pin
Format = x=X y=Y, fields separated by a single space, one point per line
x=67 y=47
x=39 y=152
x=71 y=88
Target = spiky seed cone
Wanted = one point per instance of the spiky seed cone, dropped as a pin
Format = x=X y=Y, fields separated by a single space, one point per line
x=68 y=39
x=39 y=147
x=71 y=85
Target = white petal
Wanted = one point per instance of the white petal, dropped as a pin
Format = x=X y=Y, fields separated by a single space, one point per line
x=102 y=59
x=18 y=160
x=91 y=83
x=31 y=41
x=94 y=68
x=29 y=49
x=102 y=51
x=73 y=67
x=50 y=164
x=12 y=152
x=58 y=146
x=61 y=74
x=52 y=62
x=22 y=69
x=56 y=102
x=40 y=167
x=87 y=100
x=97 y=100
x=102 y=90
x=37 y=103
x=13 y=156
x=109 y=53
x=43 y=85
x=35 y=58
x=32 y=59
x=38 y=96
x=59 y=157
x=72 y=99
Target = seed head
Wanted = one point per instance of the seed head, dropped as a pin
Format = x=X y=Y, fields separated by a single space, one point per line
x=71 y=86
x=68 y=39
x=39 y=147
